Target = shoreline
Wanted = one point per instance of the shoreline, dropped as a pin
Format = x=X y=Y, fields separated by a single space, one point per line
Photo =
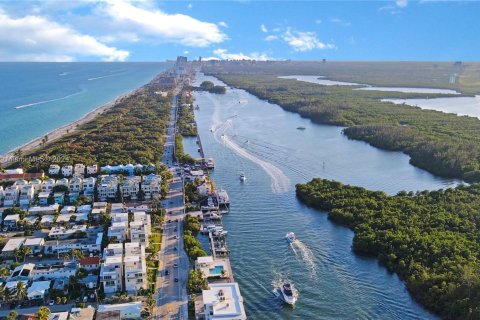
x=71 y=127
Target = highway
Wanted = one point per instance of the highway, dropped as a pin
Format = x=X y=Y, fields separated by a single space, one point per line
x=172 y=301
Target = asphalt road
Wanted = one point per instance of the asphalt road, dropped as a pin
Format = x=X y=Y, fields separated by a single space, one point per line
x=172 y=302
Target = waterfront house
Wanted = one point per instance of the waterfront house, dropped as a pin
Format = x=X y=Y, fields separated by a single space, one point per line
x=92 y=169
x=10 y=196
x=54 y=169
x=43 y=198
x=204 y=189
x=223 y=301
x=129 y=310
x=12 y=246
x=76 y=184
x=38 y=290
x=67 y=170
x=79 y=169
x=10 y=221
x=36 y=245
x=212 y=268
x=47 y=186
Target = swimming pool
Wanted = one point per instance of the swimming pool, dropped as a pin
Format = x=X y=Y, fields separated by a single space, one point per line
x=216 y=271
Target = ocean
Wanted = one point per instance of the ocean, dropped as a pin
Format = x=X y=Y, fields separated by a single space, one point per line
x=37 y=98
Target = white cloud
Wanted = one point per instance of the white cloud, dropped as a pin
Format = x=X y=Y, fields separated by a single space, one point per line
x=224 y=55
x=271 y=37
x=318 y=21
x=401 y=3
x=340 y=22
x=186 y=52
x=35 y=38
x=153 y=23
x=190 y=6
x=302 y=41
x=263 y=28
x=223 y=24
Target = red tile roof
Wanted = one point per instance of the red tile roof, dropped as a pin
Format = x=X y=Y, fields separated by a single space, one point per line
x=89 y=261
x=16 y=176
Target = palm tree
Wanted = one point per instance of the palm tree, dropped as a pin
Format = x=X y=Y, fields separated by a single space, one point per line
x=76 y=254
x=65 y=256
x=13 y=315
x=4 y=272
x=43 y=313
x=8 y=294
x=21 y=291
x=2 y=293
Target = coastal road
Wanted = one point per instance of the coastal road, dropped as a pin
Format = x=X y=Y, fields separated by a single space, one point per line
x=172 y=302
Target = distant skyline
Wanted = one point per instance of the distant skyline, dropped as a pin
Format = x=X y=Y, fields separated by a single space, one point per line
x=121 y=30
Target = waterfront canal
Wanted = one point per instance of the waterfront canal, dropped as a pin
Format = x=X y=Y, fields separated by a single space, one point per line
x=262 y=140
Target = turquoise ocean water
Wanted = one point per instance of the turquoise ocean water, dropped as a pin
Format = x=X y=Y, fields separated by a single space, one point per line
x=36 y=98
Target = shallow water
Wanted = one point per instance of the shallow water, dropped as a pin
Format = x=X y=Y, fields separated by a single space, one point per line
x=262 y=140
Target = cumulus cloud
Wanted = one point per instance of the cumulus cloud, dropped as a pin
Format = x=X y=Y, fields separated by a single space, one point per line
x=263 y=28
x=35 y=38
x=271 y=37
x=154 y=23
x=302 y=41
x=223 y=54
x=223 y=24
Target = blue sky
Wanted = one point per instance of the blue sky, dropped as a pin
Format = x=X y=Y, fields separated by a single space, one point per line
x=122 y=30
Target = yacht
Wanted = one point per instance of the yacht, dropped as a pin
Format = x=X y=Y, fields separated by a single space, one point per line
x=223 y=199
x=291 y=237
x=288 y=294
x=243 y=177
x=210 y=163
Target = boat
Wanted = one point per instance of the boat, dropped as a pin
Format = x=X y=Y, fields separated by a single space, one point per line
x=210 y=163
x=288 y=294
x=291 y=237
x=223 y=199
x=243 y=178
x=211 y=129
x=301 y=128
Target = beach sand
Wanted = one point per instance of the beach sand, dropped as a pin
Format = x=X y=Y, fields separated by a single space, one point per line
x=69 y=128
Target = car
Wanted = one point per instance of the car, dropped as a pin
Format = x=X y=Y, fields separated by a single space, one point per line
x=175 y=265
x=176 y=279
x=166 y=272
x=51 y=303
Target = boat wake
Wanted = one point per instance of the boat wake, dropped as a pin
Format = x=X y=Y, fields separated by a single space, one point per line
x=47 y=101
x=306 y=255
x=280 y=182
x=106 y=76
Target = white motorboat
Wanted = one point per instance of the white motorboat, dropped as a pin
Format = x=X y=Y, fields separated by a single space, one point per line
x=243 y=178
x=288 y=293
x=291 y=237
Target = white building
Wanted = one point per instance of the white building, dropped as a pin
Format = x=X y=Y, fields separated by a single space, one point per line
x=67 y=170
x=54 y=169
x=79 y=169
x=129 y=310
x=47 y=185
x=76 y=184
x=10 y=196
x=111 y=274
x=118 y=231
x=37 y=185
x=66 y=270
x=143 y=217
x=63 y=182
x=26 y=196
x=113 y=249
x=91 y=244
x=43 y=198
x=92 y=169
x=135 y=272
x=11 y=221
x=38 y=290
x=223 y=301
x=36 y=245
x=152 y=186
x=119 y=216
x=12 y=246
x=211 y=267
x=108 y=187
x=130 y=187
x=138 y=232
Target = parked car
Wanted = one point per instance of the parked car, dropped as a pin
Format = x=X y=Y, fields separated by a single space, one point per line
x=176 y=279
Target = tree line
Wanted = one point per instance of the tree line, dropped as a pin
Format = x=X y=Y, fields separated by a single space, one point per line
x=430 y=239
